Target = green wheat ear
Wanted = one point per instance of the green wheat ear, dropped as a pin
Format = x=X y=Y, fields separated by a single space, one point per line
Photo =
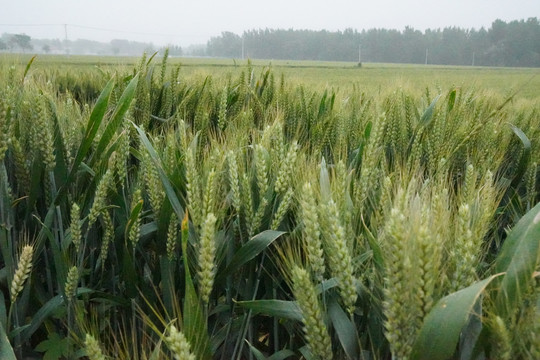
x=338 y=255
x=207 y=254
x=315 y=329
x=72 y=280
x=75 y=227
x=4 y=131
x=172 y=236
x=312 y=233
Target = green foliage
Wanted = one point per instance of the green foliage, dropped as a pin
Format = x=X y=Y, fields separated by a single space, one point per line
x=307 y=214
x=54 y=347
x=439 y=335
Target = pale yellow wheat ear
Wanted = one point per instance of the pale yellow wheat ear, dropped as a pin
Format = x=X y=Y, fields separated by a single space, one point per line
x=93 y=350
x=178 y=344
x=22 y=273
x=72 y=279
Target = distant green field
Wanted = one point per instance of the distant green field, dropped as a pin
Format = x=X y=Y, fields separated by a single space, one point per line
x=342 y=76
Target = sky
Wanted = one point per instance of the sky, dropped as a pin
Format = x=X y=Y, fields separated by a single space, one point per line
x=183 y=23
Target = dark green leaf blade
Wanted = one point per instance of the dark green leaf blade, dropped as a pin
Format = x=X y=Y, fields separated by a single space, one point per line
x=282 y=354
x=518 y=259
x=451 y=101
x=525 y=156
x=258 y=355
x=439 y=336
x=278 y=308
x=428 y=114
x=45 y=311
x=94 y=122
x=169 y=191
x=28 y=66
x=250 y=249
x=116 y=118
x=345 y=329
x=6 y=350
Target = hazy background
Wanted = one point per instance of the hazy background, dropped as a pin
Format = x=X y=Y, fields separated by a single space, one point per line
x=183 y=23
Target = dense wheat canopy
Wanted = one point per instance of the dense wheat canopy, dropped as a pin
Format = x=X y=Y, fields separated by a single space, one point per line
x=149 y=211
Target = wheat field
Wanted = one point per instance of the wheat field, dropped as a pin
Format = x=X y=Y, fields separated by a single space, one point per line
x=153 y=212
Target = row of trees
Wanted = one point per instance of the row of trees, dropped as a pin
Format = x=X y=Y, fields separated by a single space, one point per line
x=516 y=43
x=24 y=43
x=15 y=42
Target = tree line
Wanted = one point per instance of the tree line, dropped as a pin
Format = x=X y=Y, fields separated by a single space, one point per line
x=514 y=43
x=24 y=43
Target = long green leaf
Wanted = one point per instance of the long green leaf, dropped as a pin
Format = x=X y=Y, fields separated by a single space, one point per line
x=247 y=252
x=116 y=118
x=6 y=350
x=525 y=156
x=306 y=353
x=278 y=308
x=451 y=100
x=439 y=336
x=3 y=312
x=49 y=308
x=167 y=279
x=169 y=191
x=92 y=127
x=345 y=329
x=518 y=259
x=60 y=169
x=28 y=66
x=282 y=354
x=258 y=355
x=426 y=118
x=96 y=118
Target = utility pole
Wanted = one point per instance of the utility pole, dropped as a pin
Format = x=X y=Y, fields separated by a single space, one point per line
x=66 y=39
x=359 y=53
x=242 y=46
x=427 y=53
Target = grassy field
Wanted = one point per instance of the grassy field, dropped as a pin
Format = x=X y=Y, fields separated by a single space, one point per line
x=370 y=78
x=306 y=210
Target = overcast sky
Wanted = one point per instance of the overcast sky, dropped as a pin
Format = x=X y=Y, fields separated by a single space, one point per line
x=183 y=22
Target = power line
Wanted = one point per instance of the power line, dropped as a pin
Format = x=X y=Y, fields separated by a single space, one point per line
x=31 y=24
x=121 y=31
x=103 y=29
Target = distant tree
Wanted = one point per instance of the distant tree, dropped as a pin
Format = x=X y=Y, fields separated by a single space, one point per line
x=226 y=45
x=175 y=50
x=22 y=41
x=46 y=48
x=516 y=43
x=3 y=45
x=120 y=46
